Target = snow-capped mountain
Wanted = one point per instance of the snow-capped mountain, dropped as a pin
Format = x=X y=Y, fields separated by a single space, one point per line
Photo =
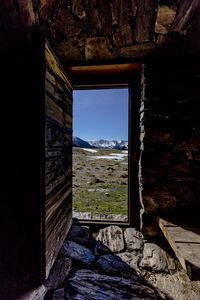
x=113 y=144
x=105 y=144
x=77 y=142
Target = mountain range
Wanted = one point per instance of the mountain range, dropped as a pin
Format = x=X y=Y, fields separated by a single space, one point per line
x=77 y=142
x=101 y=144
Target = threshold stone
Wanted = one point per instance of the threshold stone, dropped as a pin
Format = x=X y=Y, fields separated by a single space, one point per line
x=89 y=285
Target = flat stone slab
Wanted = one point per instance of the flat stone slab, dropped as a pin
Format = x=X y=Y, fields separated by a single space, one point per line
x=89 y=285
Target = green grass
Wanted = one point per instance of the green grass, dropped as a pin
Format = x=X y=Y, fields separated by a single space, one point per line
x=110 y=175
x=100 y=203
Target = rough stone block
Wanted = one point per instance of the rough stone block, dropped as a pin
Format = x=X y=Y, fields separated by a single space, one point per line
x=58 y=294
x=69 y=49
x=79 y=234
x=131 y=258
x=59 y=273
x=112 y=237
x=154 y=199
x=27 y=13
x=145 y=22
x=123 y=36
x=72 y=28
x=156 y=259
x=123 y=11
x=98 y=48
x=137 y=51
x=114 y=265
x=133 y=239
x=77 y=252
x=165 y=17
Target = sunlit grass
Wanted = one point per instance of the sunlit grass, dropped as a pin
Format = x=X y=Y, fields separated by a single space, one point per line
x=100 y=186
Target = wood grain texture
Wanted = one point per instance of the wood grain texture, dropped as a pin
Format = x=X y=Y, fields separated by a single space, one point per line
x=184 y=242
x=58 y=157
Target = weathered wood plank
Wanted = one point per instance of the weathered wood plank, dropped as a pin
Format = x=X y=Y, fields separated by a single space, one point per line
x=185 y=243
x=55 y=183
x=53 y=110
x=54 y=64
x=56 y=198
x=58 y=160
x=62 y=225
x=184 y=236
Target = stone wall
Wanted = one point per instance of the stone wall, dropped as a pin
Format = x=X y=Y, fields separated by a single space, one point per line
x=82 y=30
x=171 y=151
x=115 y=263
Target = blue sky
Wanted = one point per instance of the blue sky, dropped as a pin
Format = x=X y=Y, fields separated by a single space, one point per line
x=100 y=114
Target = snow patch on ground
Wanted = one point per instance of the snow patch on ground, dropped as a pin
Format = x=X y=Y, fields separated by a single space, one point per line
x=90 y=150
x=118 y=154
x=115 y=156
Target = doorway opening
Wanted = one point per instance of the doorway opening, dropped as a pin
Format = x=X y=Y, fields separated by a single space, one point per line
x=100 y=154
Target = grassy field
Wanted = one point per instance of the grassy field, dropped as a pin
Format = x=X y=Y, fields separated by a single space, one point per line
x=100 y=181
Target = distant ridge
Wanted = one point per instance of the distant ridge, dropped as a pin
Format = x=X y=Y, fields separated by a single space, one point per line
x=105 y=144
x=77 y=142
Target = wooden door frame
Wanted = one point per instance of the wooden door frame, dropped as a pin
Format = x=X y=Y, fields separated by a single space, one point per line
x=116 y=76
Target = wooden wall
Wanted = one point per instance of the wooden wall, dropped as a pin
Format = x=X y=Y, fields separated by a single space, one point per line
x=58 y=154
x=35 y=193
x=21 y=75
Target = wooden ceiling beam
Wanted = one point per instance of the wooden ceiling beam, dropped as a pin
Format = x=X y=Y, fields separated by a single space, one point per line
x=111 y=69
x=103 y=74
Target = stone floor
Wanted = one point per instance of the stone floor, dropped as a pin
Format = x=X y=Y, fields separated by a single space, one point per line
x=115 y=264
